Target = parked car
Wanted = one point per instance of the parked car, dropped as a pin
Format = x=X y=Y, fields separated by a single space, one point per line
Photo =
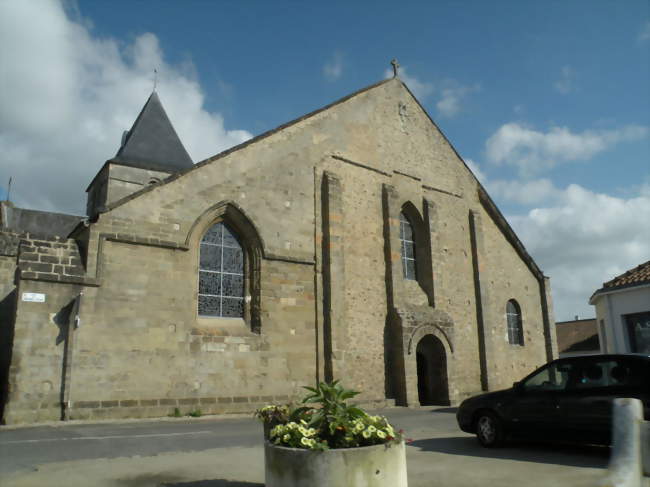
x=570 y=398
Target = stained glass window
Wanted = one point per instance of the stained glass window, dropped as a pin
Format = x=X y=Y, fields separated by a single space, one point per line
x=221 y=274
x=407 y=247
x=515 y=328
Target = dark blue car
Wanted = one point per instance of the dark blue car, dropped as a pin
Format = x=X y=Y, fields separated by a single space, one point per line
x=569 y=398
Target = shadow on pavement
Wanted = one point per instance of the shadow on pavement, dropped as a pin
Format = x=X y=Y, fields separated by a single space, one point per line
x=559 y=454
x=213 y=483
x=165 y=480
x=445 y=410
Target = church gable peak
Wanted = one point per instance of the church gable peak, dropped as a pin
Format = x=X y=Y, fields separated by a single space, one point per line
x=152 y=142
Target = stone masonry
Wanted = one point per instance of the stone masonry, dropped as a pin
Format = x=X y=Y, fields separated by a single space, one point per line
x=316 y=204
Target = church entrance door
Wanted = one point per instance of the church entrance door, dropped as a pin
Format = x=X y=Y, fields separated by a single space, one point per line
x=433 y=388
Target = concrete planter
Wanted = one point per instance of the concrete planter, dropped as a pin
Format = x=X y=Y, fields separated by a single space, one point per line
x=368 y=466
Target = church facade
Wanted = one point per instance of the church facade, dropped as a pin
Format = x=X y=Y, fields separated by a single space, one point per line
x=352 y=243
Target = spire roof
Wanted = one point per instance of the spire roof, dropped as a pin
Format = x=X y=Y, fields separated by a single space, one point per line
x=152 y=143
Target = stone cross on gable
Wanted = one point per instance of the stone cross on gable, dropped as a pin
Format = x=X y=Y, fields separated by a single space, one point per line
x=395 y=65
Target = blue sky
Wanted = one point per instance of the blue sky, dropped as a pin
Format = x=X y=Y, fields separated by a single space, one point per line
x=547 y=101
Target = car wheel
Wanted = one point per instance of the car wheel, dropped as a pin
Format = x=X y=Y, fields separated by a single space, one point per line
x=489 y=429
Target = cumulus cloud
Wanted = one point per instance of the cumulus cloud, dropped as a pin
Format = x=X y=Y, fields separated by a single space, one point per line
x=584 y=239
x=68 y=95
x=533 y=151
x=578 y=237
x=523 y=192
x=451 y=98
x=564 y=85
x=333 y=68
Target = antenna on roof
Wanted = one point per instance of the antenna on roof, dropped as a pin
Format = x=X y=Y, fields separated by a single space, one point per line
x=9 y=189
x=395 y=65
x=155 y=78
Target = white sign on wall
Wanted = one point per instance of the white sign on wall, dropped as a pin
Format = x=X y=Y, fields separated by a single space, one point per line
x=34 y=297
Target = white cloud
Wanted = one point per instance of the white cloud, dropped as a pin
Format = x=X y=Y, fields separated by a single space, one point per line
x=521 y=192
x=67 y=96
x=451 y=97
x=475 y=168
x=565 y=84
x=644 y=35
x=524 y=192
x=333 y=68
x=532 y=151
x=583 y=240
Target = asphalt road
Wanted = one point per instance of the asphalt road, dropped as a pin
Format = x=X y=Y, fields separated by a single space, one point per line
x=227 y=452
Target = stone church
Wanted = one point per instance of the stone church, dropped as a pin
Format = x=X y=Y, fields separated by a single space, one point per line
x=352 y=243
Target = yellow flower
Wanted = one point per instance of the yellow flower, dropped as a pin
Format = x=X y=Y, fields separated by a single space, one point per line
x=381 y=434
x=366 y=434
x=372 y=429
x=304 y=441
x=286 y=437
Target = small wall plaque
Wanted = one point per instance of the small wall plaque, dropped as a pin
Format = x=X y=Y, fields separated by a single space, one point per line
x=34 y=297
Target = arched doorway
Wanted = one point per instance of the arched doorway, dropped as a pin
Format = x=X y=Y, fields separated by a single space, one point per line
x=431 y=358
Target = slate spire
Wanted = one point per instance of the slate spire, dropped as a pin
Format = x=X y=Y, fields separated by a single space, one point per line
x=152 y=143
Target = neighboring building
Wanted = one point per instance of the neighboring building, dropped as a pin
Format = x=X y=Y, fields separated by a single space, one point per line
x=577 y=337
x=351 y=243
x=623 y=312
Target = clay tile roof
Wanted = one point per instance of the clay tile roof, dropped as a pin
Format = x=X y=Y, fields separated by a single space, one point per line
x=639 y=275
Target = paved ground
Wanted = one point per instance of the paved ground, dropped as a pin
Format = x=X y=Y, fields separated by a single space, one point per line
x=218 y=452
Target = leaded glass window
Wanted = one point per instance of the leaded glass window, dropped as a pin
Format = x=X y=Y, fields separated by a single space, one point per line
x=221 y=274
x=407 y=242
x=515 y=329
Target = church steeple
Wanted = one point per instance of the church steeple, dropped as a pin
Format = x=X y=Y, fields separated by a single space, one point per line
x=152 y=143
x=150 y=152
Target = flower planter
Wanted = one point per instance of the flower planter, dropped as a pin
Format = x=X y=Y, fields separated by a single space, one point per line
x=369 y=466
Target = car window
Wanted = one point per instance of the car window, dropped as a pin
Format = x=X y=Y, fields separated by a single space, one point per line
x=629 y=373
x=610 y=372
x=552 y=378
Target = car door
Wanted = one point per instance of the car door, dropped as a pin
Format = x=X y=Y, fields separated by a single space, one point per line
x=588 y=402
x=535 y=405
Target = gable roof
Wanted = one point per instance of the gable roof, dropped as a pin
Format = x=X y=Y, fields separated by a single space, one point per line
x=152 y=143
x=638 y=276
x=484 y=198
x=253 y=140
x=40 y=223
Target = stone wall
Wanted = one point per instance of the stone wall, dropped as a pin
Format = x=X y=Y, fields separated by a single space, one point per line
x=317 y=207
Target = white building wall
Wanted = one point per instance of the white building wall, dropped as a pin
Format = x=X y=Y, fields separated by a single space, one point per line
x=611 y=308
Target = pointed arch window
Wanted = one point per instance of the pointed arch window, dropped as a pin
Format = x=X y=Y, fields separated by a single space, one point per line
x=514 y=323
x=407 y=244
x=221 y=273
